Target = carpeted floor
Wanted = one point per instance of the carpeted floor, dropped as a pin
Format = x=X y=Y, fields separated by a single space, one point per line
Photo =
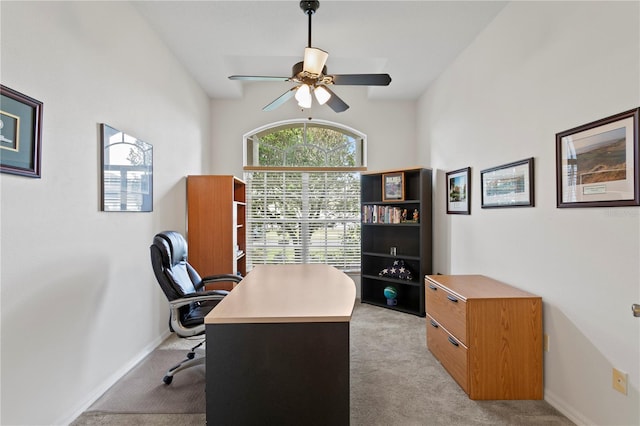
x=394 y=381
x=142 y=391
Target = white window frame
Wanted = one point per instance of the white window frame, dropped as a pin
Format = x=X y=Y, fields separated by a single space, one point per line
x=251 y=168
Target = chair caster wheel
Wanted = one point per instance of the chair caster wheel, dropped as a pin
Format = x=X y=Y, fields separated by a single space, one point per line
x=167 y=380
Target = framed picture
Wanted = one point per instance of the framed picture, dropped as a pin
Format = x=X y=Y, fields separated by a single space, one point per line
x=20 y=133
x=597 y=163
x=459 y=191
x=509 y=185
x=393 y=186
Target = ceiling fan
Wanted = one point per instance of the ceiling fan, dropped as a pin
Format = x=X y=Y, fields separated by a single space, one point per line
x=311 y=76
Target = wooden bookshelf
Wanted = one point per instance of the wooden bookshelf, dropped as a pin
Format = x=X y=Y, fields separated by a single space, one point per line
x=216 y=225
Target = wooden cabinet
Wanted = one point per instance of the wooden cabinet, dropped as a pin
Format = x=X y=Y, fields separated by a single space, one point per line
x=216 y=225
x=487 y=335
x=387 y=237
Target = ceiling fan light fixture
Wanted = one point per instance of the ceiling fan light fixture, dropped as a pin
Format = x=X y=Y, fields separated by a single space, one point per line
x=303 y=96
x=314 y=60
x=322 y=95
x=311 y=74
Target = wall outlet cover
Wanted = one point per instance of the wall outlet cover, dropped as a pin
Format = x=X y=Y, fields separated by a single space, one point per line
x=546 y=342
x=620 y=381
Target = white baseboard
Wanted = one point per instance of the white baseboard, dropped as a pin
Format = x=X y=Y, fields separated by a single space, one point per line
x=112 y=379
x=560 y=405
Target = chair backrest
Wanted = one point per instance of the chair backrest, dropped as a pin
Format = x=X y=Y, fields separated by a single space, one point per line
x=169 y=261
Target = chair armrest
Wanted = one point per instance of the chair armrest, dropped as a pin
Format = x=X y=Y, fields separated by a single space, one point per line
x=222 y=277
x=218 y=278
x=176 y=304
x=198 y=297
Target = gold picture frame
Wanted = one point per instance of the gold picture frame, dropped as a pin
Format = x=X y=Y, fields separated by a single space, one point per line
x=393 y=186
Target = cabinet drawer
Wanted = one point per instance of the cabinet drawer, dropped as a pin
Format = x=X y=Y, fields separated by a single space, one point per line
x=450 y=352
x=448 y=309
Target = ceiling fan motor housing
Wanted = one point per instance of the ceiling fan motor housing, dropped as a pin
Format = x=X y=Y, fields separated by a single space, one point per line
x=309 y=7
x=301 y=76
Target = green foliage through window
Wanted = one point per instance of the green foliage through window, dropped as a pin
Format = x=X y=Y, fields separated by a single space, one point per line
x=304 y=145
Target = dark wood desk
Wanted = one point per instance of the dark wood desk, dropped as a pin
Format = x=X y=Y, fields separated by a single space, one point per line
x=278 y=348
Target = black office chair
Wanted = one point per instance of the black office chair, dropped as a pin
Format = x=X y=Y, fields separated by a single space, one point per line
x=188 y=300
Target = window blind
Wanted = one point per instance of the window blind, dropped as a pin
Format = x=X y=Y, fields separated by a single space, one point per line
x=303 y=217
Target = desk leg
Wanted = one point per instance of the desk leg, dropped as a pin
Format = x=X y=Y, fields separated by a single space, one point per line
x=284 y=374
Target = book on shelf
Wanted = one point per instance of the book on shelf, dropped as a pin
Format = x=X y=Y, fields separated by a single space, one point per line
x=372 y=213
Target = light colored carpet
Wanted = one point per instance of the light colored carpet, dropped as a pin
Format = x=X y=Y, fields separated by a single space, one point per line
x=394 y=381
x=141 y=390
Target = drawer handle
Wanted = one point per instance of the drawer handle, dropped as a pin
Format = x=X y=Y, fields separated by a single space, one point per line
x=433 y=287
x=451 y=298
x=453 y=341
x=434 y=324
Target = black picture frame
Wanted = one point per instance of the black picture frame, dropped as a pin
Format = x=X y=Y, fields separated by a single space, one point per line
x=20 y=133
x=508 y=185
x=458 y=190
x=393 y=186
x=597 y=163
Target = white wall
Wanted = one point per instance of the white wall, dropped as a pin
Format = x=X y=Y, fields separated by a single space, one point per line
x=389 y=125
x=79 y=302
x=538 y=69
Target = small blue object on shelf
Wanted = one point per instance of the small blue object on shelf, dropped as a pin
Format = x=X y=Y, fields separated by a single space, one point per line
x=391 y=293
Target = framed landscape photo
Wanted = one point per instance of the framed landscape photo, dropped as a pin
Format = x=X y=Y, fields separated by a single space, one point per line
x=509 y=185
x=459 y=191
x=597 y=163
x=20 y=133
x=393 y=186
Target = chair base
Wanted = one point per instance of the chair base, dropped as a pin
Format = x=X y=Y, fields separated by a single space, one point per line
x=196 y=356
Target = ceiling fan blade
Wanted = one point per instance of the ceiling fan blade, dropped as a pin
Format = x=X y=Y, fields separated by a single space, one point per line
x=257 y=78
x=335 y=103
x=361 y=79
x=281 y=99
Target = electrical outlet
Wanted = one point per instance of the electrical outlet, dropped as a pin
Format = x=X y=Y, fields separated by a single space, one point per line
x=620 y=381
x=546 y=342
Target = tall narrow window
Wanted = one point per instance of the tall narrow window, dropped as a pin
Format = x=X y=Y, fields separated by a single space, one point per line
x=303 y=194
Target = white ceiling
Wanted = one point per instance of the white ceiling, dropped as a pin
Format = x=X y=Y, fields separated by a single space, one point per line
x=413 y=41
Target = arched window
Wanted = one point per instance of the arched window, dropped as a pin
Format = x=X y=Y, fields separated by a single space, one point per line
x=303 y=193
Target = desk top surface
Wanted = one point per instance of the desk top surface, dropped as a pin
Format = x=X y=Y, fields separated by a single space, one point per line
x=288 y=294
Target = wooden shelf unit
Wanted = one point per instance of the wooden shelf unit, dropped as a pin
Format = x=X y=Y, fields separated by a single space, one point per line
x=487 y=335
x=216 y=225
x=411 y=239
